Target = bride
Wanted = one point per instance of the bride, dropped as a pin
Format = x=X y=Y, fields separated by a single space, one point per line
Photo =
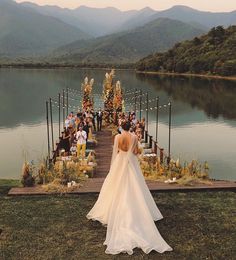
x=125 y=203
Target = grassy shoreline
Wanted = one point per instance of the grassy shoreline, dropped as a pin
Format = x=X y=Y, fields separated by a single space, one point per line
x=196 y=225
x=69 y=66
x=119 y=67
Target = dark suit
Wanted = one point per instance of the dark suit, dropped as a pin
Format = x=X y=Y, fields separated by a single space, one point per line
x=99 y=116
x=86 y=129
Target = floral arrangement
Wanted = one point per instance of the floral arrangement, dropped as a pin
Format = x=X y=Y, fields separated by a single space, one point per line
x=187 y=174
x=108 y=94
x=59 y=175
x=28 y=177
x=118 y=98
x=87 y=87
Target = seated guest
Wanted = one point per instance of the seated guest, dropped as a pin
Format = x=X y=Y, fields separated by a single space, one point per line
x=73 y=149
x=79 y=113
x=81 y=138
x=138 y=132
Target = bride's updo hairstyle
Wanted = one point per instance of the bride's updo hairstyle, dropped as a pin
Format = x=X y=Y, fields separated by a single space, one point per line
x=126 y=125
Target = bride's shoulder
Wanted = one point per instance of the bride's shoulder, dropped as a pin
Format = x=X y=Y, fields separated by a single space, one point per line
x=117 y=136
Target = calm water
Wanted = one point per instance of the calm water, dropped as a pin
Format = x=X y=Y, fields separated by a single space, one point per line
x=204 y=115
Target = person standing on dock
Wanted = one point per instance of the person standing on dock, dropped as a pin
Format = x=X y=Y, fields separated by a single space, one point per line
x=81 y=137
x=99 y=116
x=93 y=119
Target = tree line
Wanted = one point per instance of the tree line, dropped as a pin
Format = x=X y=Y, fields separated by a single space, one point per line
x=213 y=53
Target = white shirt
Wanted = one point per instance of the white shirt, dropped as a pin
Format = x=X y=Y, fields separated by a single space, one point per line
x=67 y=123
x=73 y=149
x=134 y=121
x=81 y=137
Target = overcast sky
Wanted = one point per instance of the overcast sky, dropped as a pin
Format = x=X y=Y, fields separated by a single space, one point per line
x=207 y=5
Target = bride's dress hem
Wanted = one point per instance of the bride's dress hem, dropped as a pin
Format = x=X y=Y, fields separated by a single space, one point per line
x=130 y=251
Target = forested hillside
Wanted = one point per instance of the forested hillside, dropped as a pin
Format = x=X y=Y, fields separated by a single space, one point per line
x=213 y=53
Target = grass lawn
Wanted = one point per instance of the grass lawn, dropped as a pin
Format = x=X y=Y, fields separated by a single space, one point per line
x=196 y=225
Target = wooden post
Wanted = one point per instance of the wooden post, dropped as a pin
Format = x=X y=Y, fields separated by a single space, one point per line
x=48 y=130
x=135 y=101
x=155 y=148
x=150 y=141
x=67 y=101
x=146 y=136
x=157 y=118
x=59 y=113
x=140 y=105
x=161 y=155
x=170 y=108
x=50 y=100
x=147 y=108
x=63 y=107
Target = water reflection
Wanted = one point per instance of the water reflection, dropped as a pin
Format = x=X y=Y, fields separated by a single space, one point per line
x=204 y=114
x=216 y=97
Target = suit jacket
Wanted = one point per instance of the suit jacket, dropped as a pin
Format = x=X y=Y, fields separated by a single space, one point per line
x=99 y=117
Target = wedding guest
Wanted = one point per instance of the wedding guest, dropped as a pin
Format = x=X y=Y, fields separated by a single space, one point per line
x=72 y=132
x=86 y=129
x=77 y=122
x=66 y=140
x=90 y=125
x=72 y=119
x=138 y=132
x=93 y=119
x=73 y=149
x=142 y=125
x=88 y=114
x=81 y=138
x=79 y=113
x=67 y=122
x=133 y=120
x=99 y=116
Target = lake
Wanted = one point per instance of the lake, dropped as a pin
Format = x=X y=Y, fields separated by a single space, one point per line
x=203 y=114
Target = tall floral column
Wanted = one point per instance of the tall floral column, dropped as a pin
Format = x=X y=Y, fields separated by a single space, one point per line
x=118 y=101
x=87 y=87
x=108 y=96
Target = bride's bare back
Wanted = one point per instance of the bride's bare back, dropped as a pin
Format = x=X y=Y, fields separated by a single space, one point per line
x=125 y=142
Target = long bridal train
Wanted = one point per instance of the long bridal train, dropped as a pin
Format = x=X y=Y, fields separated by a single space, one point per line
x=127 y=207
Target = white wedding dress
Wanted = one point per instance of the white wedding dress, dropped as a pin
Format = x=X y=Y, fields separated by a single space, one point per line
x=127 y=207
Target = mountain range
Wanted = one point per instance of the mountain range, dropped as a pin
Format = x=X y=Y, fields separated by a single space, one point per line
x=25 y=32
x=128 y=46
x=103 y=21
x=102 y=35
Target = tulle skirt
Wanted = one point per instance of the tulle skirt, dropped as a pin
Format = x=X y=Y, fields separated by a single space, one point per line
x=127 y=207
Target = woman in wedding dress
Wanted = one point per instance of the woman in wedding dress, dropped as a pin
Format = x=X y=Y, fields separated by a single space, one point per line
x=125 y=203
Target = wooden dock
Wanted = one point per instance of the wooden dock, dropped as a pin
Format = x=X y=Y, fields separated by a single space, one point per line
x=103 y=154
x=94 y=185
